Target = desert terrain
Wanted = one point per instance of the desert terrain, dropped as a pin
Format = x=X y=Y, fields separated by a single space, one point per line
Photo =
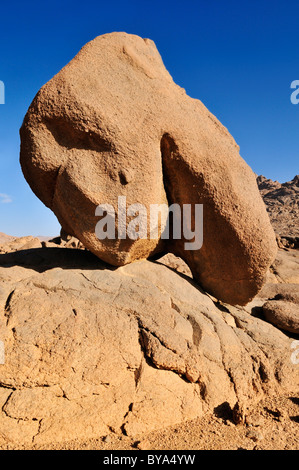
x=267 y=422
x=112 y=338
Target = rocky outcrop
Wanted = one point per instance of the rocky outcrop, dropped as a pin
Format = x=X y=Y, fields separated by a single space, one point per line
x=10 y=244
x=91 y=349
x=19 y=243
x=113 y=123
x=282 y=202
x=5 y=238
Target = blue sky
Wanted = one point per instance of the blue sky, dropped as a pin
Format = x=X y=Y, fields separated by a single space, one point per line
x=238 y=58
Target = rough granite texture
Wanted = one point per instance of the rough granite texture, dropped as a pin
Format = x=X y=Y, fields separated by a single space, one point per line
x=282 y=202
x=92 y=349
x=113 y=123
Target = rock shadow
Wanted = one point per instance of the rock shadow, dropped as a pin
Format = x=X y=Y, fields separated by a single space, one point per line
x=43 y=259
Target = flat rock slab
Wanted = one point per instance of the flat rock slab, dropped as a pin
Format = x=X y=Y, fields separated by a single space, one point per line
x=90 y=349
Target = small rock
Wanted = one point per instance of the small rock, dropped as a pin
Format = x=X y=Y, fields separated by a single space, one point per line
x=143 y=445
x=254 y=420
x=229 y=423
x=254 y=435
x=239 y=414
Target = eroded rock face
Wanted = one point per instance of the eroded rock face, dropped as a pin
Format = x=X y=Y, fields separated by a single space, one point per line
x=113 y=123
x=282 y=201
x=286 y=267
x=90 y=349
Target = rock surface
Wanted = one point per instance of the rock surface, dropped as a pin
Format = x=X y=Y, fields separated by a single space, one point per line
x=286 y=267
x=282 y=201
x=283 y=314
x=19 y=243
x=92 y=349
x=11 y=244
x=5 y=238
x=113 y=123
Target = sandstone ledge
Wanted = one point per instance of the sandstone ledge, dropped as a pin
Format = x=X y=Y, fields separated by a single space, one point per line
x=92 y=349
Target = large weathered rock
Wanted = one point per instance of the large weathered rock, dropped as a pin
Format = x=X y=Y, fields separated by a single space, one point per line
x=90 y=349
x=113 y=123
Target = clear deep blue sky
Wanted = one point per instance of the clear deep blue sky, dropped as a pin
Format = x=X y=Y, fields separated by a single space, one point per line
x=238 y=58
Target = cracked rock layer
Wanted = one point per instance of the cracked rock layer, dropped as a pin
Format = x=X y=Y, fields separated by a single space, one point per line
x=90 y=349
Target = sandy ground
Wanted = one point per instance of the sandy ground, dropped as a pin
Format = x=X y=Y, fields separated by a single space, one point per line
x=272 y=425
